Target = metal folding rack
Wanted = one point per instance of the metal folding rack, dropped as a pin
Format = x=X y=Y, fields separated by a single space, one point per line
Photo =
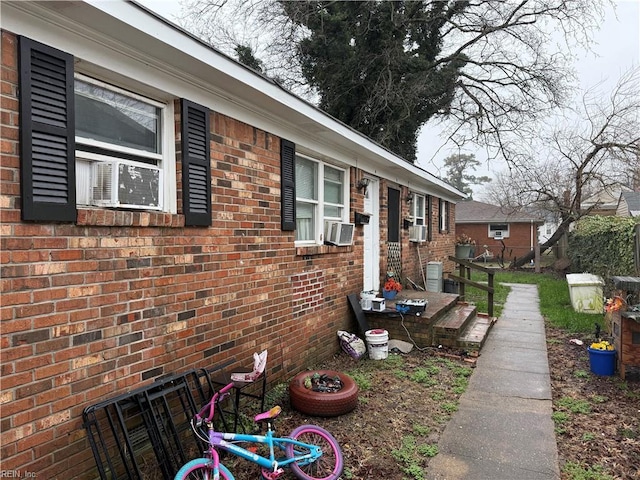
x=148 y=425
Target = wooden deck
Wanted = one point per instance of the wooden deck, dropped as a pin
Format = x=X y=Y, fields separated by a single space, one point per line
x=445 y=321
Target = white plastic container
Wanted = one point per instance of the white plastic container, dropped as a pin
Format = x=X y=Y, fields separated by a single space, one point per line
x=377 y=343
x=366 y=298
x=378 y=304
x=585 y=291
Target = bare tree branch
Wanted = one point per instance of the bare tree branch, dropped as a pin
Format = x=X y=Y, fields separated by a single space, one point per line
x=507 y=77
x=574 y=161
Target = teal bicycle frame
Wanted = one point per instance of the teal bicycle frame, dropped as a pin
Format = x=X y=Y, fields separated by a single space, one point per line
x=225 y=441
x=272 y=465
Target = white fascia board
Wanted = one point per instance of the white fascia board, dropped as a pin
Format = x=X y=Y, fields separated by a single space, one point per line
x=127 y=39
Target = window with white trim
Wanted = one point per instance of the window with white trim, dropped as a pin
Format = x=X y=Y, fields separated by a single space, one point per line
x=418 y=209
x=122 y=145
x=321 y=195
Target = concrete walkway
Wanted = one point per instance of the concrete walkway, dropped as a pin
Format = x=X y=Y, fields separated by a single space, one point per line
x=503 y=428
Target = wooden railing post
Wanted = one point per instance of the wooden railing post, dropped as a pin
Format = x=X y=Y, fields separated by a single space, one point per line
x=464 y=277
x=461 y=284
x=490 y=299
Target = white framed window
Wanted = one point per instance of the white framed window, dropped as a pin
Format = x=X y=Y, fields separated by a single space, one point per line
x=418 y=209
x=321 y=195
x=125 y=153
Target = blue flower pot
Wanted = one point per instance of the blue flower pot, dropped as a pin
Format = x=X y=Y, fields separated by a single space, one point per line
x=602 y=362
x=389 y=295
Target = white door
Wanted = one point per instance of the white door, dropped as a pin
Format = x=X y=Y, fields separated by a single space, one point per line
x=371 y=280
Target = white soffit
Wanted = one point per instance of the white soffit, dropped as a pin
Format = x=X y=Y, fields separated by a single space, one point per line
x=135 y=38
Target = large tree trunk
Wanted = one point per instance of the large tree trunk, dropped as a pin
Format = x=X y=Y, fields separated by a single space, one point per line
x=563 y=228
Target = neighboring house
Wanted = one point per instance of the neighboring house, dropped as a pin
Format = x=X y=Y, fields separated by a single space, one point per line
x=605 y=202
x=628 y=204
x=551 y=222
x=547 y=229
x=491 y=225
x=166 y=208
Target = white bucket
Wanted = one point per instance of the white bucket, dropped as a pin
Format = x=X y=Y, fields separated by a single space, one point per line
x=377 y=343
x=365 y=300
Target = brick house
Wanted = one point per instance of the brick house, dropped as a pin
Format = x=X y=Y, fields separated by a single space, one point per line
x=163 y=208
x=490 y=224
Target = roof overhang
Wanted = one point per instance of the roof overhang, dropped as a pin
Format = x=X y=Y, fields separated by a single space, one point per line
x=228 y=87
x=499 y=220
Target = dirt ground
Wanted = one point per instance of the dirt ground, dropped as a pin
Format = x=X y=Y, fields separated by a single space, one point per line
x=404 y=405
x=407 y=401
x=602 y=429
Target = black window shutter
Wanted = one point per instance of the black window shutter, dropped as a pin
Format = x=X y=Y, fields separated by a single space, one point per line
x=288 y=185
x=196 y=164
x=47 y=133
x=393 y=215
x=448 y=217
x=429 y=218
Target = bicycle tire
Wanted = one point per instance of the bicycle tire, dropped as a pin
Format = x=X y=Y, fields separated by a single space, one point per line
x=202 y=469
x=329 y=466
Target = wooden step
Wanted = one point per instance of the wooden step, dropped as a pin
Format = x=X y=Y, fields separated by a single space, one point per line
x=446 y=321
x=474 y=336
x=448 y=328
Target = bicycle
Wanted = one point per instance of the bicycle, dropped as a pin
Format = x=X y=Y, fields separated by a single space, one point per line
x=311 y=452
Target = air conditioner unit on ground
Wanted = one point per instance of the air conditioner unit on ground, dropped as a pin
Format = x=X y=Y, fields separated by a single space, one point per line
x=434 y=277
x=338 y=233
x=418 y=233
x=118 y=183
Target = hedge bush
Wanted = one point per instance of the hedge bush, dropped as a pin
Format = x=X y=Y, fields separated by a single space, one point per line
x=603 y=246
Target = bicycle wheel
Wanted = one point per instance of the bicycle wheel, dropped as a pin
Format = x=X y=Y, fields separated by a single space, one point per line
x=328 y=467
x=201 y=469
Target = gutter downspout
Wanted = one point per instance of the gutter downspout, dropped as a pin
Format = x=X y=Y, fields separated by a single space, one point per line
x=531 y=237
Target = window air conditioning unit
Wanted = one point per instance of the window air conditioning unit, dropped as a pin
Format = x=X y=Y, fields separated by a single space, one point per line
x=418 y=233
x=338 y=233
x=499 y=231
x=125 y=184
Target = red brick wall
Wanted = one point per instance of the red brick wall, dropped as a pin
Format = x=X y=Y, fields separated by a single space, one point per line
x=93 y=309
x=518 y=243
x=443 y=243
x=415 y=255
x=96 y=308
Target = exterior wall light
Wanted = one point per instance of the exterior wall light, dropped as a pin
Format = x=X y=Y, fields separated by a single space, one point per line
x=362 y=184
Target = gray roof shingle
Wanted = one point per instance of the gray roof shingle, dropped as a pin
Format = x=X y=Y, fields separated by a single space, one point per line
x=632 y=199
x=473 y=211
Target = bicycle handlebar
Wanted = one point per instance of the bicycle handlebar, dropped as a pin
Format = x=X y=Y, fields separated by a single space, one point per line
x=211 y=405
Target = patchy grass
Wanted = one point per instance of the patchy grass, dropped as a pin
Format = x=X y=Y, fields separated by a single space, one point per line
x=405 y=402
x=577 y=471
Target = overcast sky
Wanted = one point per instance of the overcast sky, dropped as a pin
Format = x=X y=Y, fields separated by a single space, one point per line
x=616 y=49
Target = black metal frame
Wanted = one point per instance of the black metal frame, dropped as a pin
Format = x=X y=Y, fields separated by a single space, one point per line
x=151 y=421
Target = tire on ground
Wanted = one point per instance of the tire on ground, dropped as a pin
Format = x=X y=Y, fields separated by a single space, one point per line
x=323 y=404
